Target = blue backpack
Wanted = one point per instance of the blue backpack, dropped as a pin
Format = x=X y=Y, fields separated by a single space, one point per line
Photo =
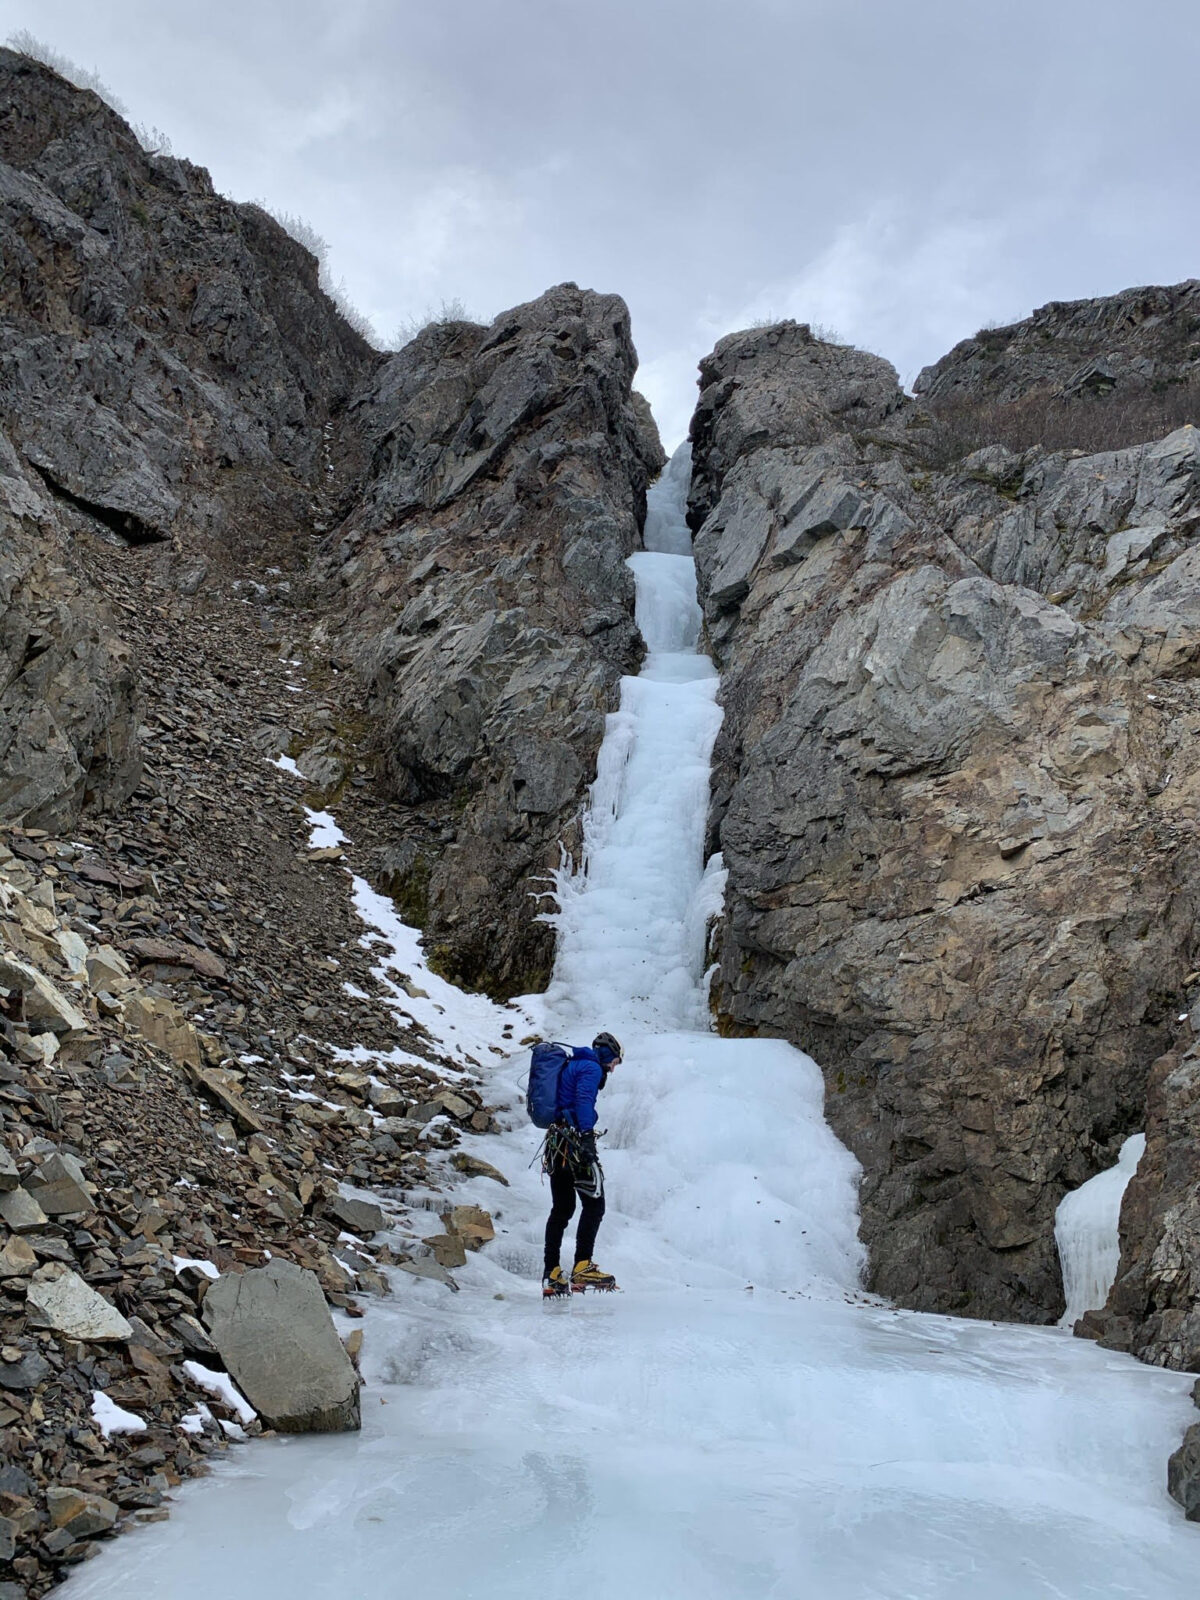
x=545 y=1069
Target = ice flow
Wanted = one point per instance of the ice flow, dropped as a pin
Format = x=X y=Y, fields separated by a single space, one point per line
x=741 y=1423
x=1086 y=1232
x=631 y=920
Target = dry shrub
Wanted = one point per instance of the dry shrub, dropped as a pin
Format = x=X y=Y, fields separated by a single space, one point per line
x=1127 y=415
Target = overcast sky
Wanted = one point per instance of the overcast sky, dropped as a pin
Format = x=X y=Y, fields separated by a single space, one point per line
x=901 y=171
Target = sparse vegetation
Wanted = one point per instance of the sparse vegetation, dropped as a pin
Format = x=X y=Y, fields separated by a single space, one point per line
x=450 y=311
x=304 y=233
x=826 y=334
x=819 y=330
x=27 y=44
x=152 y=140
x=1128 y=415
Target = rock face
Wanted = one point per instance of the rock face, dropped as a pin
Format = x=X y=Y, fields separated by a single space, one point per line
x=1078 y=348
x=67 y=691
x=1183 y=1473
x=175 y=389
x=168 y=372
x=171 y=359
x=1084 y=374
x=956 y=790
x=1154 y=1306
x=487 y=610
x=274 y=1333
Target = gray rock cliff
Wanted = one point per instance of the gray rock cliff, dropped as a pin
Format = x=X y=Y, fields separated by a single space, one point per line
x=68 y=727
x=480 y=596
x=1078 y=348
x=956 y=791
x=170 y=374
x=1154 y=1307
x=169 y=359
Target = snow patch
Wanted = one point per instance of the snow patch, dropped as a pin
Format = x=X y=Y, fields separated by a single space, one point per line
x=208 y=1268
x=466 y=1026
x=324 y=832
x=111 y=1418
x=194 y=1421
x=222 y=1386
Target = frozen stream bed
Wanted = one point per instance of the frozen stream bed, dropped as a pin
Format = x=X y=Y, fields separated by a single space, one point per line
x=741 y=1423
x=692 y=1437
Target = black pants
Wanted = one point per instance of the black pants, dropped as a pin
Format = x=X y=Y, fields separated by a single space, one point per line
x=570 y=1175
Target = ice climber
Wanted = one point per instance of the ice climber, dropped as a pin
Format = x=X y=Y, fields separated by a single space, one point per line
x=569 y=1160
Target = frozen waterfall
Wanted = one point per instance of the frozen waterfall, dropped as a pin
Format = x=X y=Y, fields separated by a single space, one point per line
x=1085 y=1229
x=631 y=921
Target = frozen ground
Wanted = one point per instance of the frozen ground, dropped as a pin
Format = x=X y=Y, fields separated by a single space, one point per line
x=741 y=1423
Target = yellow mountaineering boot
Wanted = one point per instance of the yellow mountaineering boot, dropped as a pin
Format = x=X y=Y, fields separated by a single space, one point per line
x=587 y=1275
x=554 y=1284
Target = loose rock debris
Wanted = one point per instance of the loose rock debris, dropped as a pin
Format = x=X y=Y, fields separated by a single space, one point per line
x=179 y=998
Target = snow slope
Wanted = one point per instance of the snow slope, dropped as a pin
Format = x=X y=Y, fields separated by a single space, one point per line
x=741 y=1423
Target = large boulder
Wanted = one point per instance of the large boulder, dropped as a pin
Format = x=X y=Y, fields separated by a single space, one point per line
x=60 y=1186
x=361 y=1217
x=45 y=1004
x=59 y=1299
x=273 y=1330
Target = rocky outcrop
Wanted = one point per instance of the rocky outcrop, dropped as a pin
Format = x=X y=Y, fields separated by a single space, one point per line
x=1077 y=348
x=1085 y=374
x=956 y=791
x=486 y=608
x=170 y=361
x=1183 y=1473
x=169 y=377
x=1154 y=1306
x=177 y=390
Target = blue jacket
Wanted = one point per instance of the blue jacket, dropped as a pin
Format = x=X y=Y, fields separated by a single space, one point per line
x=579 y=1083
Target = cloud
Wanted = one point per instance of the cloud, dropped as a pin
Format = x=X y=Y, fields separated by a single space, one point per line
x=888 y=284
